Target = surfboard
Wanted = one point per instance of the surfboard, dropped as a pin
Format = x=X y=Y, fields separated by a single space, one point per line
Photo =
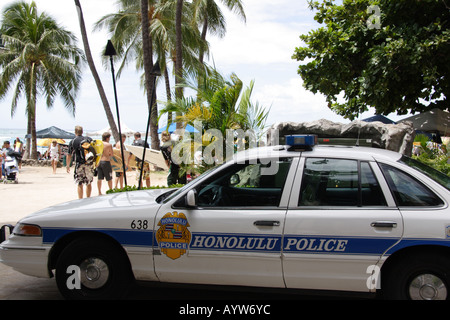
x=116 y=160
x=151 y=156
x=98 y=147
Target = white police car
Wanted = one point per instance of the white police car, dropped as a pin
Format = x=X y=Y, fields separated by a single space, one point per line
x=295 y=216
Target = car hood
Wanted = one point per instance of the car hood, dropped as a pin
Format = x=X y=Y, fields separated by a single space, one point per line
x=110 y=204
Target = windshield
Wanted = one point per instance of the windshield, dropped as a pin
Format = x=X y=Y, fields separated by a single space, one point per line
x=434 y=174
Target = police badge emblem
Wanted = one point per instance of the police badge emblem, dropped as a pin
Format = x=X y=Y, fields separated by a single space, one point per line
x=173 y=236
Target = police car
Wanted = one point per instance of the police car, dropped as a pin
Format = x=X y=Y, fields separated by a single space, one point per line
x=299 y=216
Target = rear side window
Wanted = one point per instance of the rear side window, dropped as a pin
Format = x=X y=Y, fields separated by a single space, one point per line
x=339 y=182
x=408 y=191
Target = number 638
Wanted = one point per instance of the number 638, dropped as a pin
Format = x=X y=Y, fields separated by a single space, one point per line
x=139 y=224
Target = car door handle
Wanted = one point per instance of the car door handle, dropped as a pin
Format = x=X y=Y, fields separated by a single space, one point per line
x=267 y=223
x=384 y=224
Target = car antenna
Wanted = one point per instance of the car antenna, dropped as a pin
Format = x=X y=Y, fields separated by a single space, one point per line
x=359 y=129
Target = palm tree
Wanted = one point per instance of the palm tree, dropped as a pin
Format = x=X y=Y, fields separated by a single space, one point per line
x=147 y=50
x=41 y=58
x=220 y=104
x=164 y=33
x=210 y=17
x=178 y=50
x=125 y=27
x=98 y=83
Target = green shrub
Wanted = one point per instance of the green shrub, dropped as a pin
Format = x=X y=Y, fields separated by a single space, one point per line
x=437 y=162
x=433 y=157
x=135 y=188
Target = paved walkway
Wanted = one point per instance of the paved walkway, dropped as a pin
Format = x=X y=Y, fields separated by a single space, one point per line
x=17 y=286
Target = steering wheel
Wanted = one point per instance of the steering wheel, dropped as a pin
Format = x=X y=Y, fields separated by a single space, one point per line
x=212 y=195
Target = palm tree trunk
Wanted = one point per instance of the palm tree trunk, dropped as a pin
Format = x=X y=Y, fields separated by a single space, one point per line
x=33 y=133
x=203 y=35
x=98 y=82
x=168 y=94
x=27 y=154
x=32 y=111
x=149 y=77
x=179 y=54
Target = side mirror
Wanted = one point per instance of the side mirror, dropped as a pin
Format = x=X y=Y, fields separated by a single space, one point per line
x=191 y=198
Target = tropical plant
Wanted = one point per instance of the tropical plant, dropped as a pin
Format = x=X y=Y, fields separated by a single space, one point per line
x=432 y=154
x=220 y=105
x=40 y=58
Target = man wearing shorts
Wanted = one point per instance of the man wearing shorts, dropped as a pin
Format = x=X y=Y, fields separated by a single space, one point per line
x=104 y=168
x=84 y=168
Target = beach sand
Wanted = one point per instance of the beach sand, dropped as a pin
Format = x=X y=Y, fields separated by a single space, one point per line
x=39 y=188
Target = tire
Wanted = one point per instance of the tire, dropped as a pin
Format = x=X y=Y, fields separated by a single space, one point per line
x=423 y=277
x=104 y=271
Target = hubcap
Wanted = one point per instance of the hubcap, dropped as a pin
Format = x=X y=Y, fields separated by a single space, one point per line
x=427 y=287
x=94 y=273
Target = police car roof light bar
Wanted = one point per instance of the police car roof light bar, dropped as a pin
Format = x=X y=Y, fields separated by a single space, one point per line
x=301 y=141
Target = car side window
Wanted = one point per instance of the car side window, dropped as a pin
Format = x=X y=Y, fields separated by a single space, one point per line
x=339 y=182
x=408 y=191
x=245 y=185
x=371 y=193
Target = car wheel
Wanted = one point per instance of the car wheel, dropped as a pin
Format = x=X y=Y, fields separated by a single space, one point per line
x=424 y=277
x=92 y=268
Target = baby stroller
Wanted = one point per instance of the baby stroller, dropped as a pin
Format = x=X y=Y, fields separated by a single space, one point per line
x=12 y=166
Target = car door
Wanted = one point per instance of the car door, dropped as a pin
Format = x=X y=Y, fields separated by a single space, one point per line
x=341 y=220
x=233 y=235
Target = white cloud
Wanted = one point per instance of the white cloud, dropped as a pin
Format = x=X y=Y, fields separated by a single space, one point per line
x=270 y=34
x=290 y=102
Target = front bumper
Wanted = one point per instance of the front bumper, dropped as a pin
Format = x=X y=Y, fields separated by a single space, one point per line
x=29 y=261
x=26 y=255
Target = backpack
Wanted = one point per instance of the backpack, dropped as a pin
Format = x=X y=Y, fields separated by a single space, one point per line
x=85 y=152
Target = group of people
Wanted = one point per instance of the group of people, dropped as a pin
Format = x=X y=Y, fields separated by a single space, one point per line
x=85 y=170
x=6 y=148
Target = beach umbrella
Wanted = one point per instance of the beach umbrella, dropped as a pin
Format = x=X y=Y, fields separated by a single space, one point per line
x=173 y=127
x=48 y=141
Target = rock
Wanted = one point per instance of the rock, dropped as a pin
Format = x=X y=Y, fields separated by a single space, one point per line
x=39 y=163
x=395 y=137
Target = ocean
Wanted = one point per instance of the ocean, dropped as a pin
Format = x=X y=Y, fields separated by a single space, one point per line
x=11 y=135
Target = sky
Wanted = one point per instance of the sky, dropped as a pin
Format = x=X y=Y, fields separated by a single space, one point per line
x=260 y=49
